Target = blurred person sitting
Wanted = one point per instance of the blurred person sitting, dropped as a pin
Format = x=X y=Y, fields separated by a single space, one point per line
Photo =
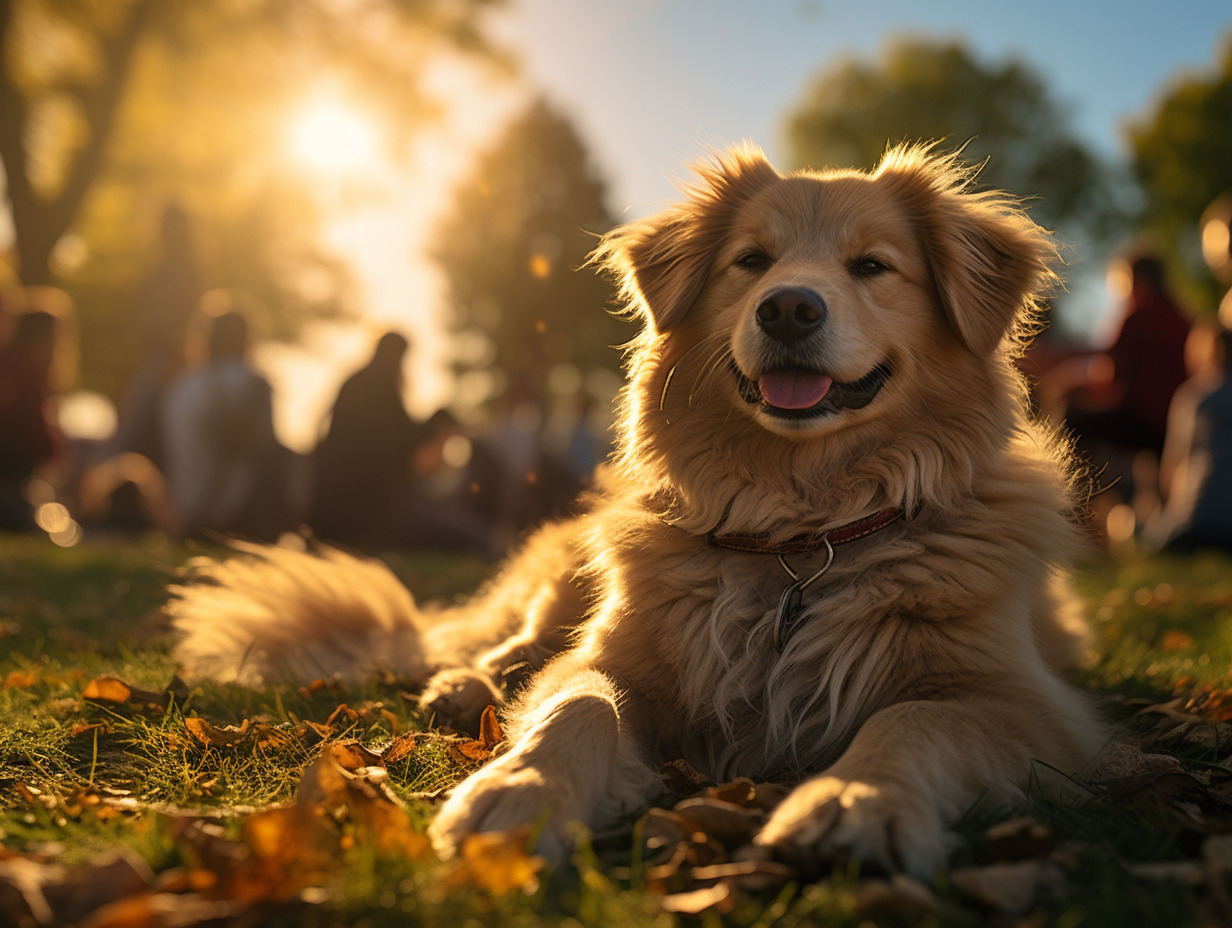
x=1197 y=468
x=366 y=490
x=225 y=468
x=1125 y=398
x=29 y=435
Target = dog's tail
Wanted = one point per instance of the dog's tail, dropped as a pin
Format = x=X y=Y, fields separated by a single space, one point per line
x=277 y=613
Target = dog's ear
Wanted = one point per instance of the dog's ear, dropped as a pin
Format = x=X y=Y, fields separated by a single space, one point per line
x=664 y=262
x=990 y=261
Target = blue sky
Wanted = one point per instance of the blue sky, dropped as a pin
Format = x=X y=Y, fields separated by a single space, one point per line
x=651 y=83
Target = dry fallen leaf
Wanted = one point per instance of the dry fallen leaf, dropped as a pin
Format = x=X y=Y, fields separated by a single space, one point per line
x=212 y=736
x=19 y=679
x=401 y=747
x=107 y=689
x=351 y=755
x=111 y=689
x=496 y=862
x=478 y=750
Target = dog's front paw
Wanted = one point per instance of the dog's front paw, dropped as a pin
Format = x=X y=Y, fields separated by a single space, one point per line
x=503 y=796
x=457 y=696
x=829 y=820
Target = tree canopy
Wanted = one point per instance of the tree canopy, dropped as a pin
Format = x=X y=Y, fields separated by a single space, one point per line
x=115 y=107
x=513 y=249
x=1001 y=112
x=1182 y=159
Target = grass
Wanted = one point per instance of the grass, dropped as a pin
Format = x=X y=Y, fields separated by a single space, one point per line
x=162 y=803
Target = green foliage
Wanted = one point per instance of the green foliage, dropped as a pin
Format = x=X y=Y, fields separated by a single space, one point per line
x=513 y=249
x=1182 y=151
x=919 y=90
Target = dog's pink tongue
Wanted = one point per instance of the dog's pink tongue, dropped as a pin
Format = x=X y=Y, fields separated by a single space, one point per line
x=793 y=389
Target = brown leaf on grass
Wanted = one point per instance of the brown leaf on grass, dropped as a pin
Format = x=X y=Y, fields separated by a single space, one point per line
x=315 y=732
x=401 y=747
x=351 y=755
x=211 y=736
x=496 y=862
x=19 y=679
x=478 y=750
x=268 y=737
x=111 y=689
x=107 y=689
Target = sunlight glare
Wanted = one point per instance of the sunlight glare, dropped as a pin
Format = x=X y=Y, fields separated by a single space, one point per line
x=329 y=136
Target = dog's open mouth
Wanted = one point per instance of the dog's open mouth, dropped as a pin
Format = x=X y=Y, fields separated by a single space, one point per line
x=801 y=393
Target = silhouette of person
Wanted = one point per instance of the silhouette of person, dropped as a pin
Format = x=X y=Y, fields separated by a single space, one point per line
x=1198 y=513
x=362 y=464
x=165 y=307
x=365 y=486
x=225 y=469
x=1137 y=376
x=29 y=436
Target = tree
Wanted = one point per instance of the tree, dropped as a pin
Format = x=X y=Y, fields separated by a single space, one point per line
x=513 y=250
x=1182 y=159
x=1002 y=112
x=112 y=107
x=70 y=65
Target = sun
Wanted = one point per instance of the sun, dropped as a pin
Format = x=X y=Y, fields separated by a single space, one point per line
x=330 y=137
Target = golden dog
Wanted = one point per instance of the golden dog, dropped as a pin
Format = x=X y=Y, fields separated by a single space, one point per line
x=830 y=550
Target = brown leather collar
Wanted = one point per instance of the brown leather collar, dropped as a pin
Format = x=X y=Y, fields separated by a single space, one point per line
x=808 y=542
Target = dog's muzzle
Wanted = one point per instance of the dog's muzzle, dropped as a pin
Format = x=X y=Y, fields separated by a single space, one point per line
x=802 y=393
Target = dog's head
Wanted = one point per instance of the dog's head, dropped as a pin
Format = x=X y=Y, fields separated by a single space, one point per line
x=833 y=310
x=826 y=285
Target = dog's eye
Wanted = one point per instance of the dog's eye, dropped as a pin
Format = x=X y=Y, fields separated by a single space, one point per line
x=867 y=266
x=754 y=261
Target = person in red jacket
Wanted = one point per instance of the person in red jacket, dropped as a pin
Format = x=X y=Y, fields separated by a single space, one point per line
x=1126 y=404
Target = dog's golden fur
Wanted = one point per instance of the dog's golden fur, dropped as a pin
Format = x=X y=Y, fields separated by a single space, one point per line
x=925 y=673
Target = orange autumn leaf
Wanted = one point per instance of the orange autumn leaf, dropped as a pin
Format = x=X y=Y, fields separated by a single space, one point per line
x=19 y=679
x=107 y=689
x=351 y=755
x=212 y=736
x=490 y=733
x=478 y=750
x=401 y=747
x=496 y=862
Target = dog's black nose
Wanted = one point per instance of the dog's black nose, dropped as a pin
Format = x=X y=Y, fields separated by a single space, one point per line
x=790 y=314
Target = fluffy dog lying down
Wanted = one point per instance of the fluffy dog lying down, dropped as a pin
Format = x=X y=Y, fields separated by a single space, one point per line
x=822 y=389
